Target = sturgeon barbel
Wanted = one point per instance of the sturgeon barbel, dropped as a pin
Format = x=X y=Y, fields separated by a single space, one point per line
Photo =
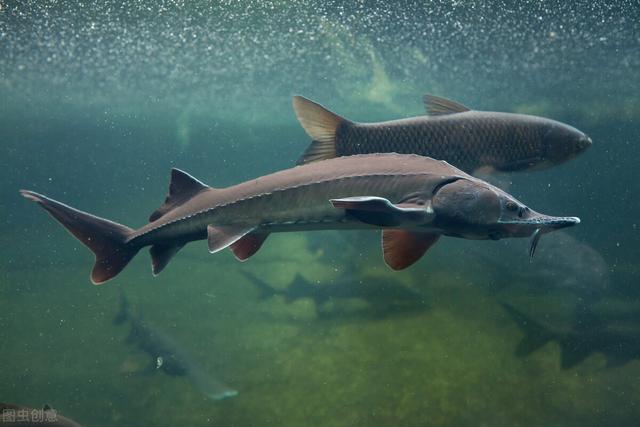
x=414 y=199
x=474 y=141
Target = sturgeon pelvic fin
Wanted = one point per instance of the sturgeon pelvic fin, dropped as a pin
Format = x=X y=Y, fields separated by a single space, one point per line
x=220 y=237
x=106 y=239
x=402 y=248
x=321 y=125
x=181 y=188
x=248 y=245
x=381 y=212
x=438 y=106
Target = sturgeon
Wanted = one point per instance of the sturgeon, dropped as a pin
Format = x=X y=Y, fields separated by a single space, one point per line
x=414 y=199
x=474 y=141
x=168 y=355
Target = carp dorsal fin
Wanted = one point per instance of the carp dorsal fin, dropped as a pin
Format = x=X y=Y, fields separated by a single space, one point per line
x=381 y=212
x=321 y=125
x=438 y=106
x=401 y=248
x=181 y=188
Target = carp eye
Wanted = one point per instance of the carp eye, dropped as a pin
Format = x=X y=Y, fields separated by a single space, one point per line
x=512 y=206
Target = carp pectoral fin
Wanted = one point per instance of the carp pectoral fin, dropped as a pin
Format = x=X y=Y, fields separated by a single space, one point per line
x=401 y=248
x=321 y=125
x=220 y=237
x=181 y=188
x=437 y=106
x=248 y=245
x=381 y=212
x=161 y=255
x=518 y=165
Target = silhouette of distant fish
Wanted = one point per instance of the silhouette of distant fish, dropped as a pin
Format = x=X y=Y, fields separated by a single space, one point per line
x=470 y=140
x=564 y=263
x=567 y=263
x=618 y=341
x=381 y=294
x=169 y=356
x=20 y=416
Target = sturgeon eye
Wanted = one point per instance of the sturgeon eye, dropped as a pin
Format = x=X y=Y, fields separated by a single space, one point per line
x=511 y=206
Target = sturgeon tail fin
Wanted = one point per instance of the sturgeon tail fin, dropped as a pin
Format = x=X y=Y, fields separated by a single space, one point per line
x=536 y=334
x=106 y=239
x=321 y=125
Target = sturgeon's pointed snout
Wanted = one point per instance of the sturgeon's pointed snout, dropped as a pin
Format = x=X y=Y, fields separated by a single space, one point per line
x=532 y=221
x=536 y=220
x=555 y=222
x=548 y=224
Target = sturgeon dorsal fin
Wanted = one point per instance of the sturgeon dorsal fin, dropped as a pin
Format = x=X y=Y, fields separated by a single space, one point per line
x=438 y=106
x=181 y=188
x=401 y=248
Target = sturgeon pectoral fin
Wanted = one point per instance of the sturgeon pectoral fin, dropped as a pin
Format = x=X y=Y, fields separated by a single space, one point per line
x=161 y=255
x=437 y=106
x=401 y=248
x=220 y=237
x=248 y=245
x=381 y=212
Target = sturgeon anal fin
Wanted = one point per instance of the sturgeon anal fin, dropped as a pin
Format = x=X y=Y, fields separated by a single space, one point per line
x=438 y=106
x=401 y=248
x=182 y=188
x=225 y=236
x=381 y=212
x=248 y=245
x=321 y=125
x=161 y=255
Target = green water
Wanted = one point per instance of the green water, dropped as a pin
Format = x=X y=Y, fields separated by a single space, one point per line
x=98 y=102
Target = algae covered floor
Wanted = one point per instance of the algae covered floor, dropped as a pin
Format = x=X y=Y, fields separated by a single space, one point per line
x=450 y=363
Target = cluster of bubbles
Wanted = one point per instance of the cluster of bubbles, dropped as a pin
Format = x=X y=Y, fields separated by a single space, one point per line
x=149 y=52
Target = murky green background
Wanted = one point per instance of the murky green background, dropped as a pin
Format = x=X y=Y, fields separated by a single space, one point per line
x=99 y=101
